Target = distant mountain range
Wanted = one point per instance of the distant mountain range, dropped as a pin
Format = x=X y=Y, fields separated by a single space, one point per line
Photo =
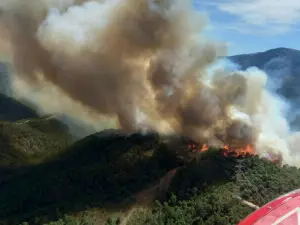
x=281 y=64
x=11 y=109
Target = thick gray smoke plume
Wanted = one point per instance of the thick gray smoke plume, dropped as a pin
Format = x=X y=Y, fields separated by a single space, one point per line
x=144 y=63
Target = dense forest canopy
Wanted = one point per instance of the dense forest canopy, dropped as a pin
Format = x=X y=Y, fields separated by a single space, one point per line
x=140 y=179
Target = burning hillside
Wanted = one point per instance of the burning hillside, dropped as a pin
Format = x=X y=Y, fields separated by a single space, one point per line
x=228 y=149
x=232 y=150
x=142 y=64
x=109 y=170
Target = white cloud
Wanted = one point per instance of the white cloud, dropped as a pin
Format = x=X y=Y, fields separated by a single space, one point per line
x=278 y=16
x=270 y=29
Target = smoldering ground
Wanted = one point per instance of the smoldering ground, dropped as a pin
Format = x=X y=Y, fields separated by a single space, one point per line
x=143 y=63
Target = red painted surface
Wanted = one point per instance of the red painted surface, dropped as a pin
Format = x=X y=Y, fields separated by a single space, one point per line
x=284 y=210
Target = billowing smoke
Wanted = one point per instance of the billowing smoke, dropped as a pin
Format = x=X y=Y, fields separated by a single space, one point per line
x=145 y=64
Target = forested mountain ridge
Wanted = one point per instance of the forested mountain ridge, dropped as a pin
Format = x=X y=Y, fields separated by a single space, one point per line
x=102 y=178
x=281 y=64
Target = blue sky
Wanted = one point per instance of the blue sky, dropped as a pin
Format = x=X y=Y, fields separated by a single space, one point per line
x=253 y=25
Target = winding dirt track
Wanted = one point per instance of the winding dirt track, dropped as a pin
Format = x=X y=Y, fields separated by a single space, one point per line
x=147 y=196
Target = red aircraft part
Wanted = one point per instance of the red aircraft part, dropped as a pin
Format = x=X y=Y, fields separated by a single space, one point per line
x=284 y=210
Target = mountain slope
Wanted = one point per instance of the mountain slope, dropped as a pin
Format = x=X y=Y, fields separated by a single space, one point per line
x=105 y=174
x=281 y=64
x=31 y=141
x=13 y=110
x=106 y=168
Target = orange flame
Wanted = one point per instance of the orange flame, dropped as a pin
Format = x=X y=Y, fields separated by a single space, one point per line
x=248 y=149
x=235 y=151
x=240 y=151
x=204 y=148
